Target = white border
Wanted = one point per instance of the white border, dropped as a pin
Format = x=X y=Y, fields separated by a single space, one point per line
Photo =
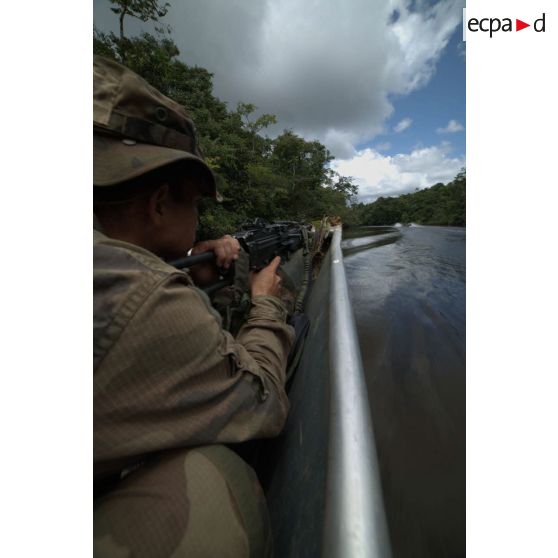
x=512 y=306
x=46 y=397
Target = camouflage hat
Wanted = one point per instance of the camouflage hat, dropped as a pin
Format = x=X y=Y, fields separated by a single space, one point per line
x=137 y=129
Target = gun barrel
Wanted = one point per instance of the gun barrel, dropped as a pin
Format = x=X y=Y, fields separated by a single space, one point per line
x=189 y=261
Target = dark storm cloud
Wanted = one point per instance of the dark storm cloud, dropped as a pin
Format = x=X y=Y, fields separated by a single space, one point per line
x=326 y=68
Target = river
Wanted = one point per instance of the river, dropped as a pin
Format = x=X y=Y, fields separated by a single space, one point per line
x=407 y=286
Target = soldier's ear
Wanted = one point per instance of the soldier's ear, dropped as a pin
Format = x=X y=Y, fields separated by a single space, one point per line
x=158 y=204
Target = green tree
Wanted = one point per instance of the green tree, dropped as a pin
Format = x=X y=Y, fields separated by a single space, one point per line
x=441 y=204
x=254 y=127
x=144 y=10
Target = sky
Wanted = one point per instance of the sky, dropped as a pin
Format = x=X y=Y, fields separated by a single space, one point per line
x=380 y=82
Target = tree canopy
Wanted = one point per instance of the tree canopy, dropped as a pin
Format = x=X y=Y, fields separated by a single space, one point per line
x=439 y=205
x=143 y=10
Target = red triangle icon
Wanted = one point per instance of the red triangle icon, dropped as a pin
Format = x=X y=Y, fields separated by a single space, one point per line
x=519 y=25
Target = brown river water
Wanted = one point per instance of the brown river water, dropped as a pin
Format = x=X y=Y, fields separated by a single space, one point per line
x=407 y=286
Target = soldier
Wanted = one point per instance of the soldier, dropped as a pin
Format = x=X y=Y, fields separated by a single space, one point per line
x=170 y=385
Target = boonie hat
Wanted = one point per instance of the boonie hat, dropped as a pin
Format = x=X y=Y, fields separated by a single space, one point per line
x=137 y=129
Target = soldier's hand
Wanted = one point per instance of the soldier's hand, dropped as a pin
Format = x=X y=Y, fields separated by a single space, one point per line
x=266 y=281
x=226 y=250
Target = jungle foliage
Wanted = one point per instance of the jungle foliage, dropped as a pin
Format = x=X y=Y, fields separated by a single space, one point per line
x=442 y=204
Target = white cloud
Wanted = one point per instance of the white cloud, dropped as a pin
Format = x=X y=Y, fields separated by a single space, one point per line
x=452 y=127
x=378 y=175
x=402 y=125
x=340 y=143
x=326 y=69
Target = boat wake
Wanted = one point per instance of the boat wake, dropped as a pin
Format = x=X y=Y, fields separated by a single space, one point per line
x=355 y=245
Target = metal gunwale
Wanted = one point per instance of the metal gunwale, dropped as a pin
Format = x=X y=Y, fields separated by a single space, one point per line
x=355 y=522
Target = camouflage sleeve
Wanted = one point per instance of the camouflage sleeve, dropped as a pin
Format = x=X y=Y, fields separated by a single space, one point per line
x=267 y=339
x=176 y=378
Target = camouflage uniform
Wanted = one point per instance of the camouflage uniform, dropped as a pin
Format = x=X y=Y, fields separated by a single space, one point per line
x=199 y=502
x=170 y=385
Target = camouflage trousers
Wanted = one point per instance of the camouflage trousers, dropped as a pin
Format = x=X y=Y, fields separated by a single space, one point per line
x=200 y=502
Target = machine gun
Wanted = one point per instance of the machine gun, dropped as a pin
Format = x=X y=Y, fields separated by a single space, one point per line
x=262 y=241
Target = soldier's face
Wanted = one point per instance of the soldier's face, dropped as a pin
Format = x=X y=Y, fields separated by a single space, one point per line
x=178 y=221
